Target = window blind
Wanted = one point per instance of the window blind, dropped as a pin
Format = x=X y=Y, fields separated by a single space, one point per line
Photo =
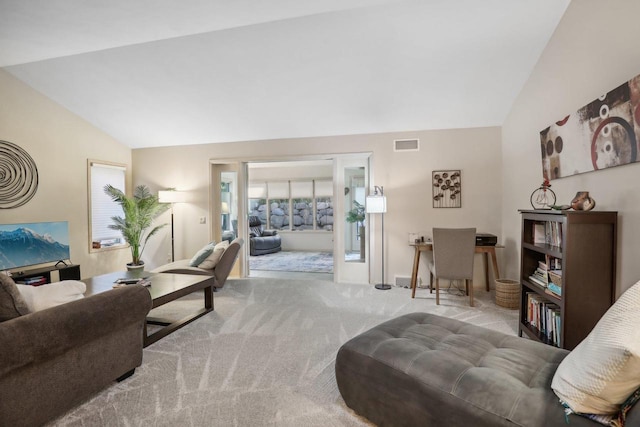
x=301 y=189
x=102 y=207
x=278 y=190
x=324 y=188
x=258 y=190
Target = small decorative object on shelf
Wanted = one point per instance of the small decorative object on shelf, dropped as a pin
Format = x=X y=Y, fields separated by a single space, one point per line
x=583 y=202
x=543 y=197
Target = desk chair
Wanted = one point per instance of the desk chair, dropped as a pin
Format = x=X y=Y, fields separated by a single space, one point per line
x=453 y=252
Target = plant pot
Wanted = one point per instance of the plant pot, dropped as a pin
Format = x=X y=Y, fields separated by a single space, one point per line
x=135 y=267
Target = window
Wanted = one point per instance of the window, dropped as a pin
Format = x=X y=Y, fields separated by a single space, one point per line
x=324 y=205
x=258 y=201
x=101 y=207
x=293 y=205
x=302 y=205
x=278 y=195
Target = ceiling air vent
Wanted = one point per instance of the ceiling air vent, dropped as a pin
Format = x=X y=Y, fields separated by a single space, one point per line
x=406 y=145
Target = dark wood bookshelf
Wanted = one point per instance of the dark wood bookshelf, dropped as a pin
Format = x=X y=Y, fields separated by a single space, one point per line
x=587 y=256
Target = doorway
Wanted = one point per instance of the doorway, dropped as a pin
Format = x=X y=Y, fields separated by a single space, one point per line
x=306 y=201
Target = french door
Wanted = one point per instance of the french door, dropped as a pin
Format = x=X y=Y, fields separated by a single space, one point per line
x=351 y=225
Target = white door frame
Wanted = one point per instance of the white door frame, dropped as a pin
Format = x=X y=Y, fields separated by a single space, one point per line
x=343 y=271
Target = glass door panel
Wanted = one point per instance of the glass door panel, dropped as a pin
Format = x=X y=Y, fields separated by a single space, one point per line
x=355 y=232
x=351 y=246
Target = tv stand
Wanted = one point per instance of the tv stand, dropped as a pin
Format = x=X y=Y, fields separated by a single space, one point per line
x=65 y=272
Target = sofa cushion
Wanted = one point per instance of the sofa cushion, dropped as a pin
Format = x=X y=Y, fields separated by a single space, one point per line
x=604 y=369
x=212 y=260
x=202 y=254
x=12 y=304
x=46 y=296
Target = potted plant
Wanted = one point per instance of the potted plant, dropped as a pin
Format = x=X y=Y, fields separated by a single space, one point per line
x=139 y=213
x=357 y=216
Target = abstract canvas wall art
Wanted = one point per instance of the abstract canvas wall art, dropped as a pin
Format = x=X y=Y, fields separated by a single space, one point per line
x=602 y=134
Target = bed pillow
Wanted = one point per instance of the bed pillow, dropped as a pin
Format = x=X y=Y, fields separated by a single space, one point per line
x=202 y=254
x=46 y=296
x=212 y=260
x=604 y=369
x=12 y=304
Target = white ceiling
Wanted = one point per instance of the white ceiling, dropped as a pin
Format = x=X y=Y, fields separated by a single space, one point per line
x=168 y=72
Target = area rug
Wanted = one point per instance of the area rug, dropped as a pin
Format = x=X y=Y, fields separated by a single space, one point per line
x=306 y=262
x=265 y=356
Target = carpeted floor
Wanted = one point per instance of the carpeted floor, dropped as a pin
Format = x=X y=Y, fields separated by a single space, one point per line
x=309 y=262
x=265 y=356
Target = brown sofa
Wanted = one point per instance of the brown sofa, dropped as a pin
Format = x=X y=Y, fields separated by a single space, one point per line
x=52 y=360
x=220 y=272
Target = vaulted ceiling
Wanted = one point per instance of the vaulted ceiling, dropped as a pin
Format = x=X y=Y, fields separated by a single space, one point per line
x=168 y=72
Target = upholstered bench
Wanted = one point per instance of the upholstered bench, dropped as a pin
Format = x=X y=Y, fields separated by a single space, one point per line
x=424 y=370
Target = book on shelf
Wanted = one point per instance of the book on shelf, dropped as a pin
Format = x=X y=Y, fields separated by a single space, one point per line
x=544 y=316
x=554 y=289
x=554 y=233
x=553 y=263
x=538 y=280
x=33 y=281
x=539 y=233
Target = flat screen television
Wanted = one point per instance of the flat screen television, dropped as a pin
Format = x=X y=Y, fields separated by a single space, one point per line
x=33 y=243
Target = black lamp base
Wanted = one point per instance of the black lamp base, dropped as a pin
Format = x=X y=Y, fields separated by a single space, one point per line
x=383 y=286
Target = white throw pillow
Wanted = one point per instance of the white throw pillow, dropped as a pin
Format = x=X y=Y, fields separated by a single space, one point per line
x=604 y=369
x=213 y=259
x=45 y=296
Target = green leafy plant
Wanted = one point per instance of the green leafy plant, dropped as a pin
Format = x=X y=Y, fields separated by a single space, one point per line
x=357 y=214
x=139 y=213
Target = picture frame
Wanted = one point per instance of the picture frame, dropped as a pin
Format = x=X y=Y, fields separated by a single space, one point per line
x=447 y=188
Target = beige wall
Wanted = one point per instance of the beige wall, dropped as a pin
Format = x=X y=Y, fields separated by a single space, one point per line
x=60 y=144
x=406 y=177
x=593 y=50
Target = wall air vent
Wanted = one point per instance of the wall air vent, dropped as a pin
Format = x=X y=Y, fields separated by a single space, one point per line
x=406 y=145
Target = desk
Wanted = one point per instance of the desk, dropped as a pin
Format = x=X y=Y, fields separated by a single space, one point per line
x=427 y=246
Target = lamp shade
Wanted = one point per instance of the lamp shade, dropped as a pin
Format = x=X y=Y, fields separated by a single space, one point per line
x=172 y=196
x=225 y=208
x=376 y=204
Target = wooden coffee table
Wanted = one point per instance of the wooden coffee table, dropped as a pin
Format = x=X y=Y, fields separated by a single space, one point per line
x=165 y=287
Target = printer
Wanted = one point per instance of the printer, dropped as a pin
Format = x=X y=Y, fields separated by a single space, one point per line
x=486 y=239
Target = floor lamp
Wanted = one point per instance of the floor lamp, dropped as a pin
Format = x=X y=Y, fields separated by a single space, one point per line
x=377 y=203
x=171 y=196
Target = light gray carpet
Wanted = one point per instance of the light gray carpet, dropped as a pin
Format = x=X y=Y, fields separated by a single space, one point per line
x=265 y=356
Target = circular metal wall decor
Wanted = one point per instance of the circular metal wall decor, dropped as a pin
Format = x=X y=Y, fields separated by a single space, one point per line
x=18 y=176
